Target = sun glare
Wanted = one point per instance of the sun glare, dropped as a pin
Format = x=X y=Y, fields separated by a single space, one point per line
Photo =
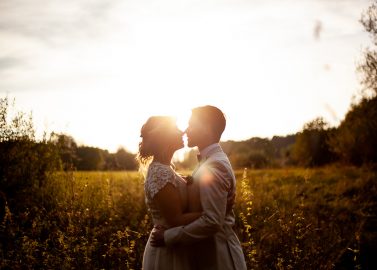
x=182 y=119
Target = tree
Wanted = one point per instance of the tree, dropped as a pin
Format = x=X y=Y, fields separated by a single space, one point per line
x=355 y=140
x=90 y=158
x=368 y=67
x=125 y=160
x=67 y=149
x=311 y=147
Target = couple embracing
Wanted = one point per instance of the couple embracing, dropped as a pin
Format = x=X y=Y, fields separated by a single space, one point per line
x=193 y=216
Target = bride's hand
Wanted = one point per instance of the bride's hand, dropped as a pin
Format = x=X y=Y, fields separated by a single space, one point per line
x=159 y=227
x=157 y=238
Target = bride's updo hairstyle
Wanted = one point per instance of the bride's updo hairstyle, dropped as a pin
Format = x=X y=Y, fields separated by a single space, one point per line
x=155 y=137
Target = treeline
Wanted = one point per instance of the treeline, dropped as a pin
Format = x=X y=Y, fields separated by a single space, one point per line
x=353 y=142
x=260 y=152
x=86 y=158
x=27 y=162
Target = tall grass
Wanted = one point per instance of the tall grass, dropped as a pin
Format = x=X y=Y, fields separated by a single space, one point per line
x=286 y=219
x=309 y=219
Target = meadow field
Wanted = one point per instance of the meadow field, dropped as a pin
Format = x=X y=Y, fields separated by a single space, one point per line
x=286 y=219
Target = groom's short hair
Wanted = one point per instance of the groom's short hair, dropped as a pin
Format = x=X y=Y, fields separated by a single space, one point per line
x=211 y=116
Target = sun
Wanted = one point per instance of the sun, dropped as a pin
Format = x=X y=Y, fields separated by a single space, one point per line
x=182 y=119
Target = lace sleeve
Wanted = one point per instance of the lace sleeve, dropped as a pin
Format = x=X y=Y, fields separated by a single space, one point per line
x=160 y=176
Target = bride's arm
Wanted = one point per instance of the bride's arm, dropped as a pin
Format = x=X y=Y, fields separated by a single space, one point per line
x=170 y=204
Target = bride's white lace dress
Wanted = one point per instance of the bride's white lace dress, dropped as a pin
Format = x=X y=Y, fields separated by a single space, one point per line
x=164 y=258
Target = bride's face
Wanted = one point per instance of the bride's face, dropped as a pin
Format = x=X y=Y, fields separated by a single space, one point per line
x=174 y=138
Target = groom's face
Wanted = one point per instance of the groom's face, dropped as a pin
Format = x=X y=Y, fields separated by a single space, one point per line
x=194 y=132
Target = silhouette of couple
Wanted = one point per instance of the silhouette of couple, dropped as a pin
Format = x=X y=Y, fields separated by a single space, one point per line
x=193 y=217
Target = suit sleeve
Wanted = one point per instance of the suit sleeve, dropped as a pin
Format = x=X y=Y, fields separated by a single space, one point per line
x=214 y=188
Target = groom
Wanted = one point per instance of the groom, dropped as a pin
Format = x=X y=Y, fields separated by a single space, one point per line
x=212 y=243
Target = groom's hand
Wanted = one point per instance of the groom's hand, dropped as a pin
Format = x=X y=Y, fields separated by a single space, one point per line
x=189 y=179
x=157 y=238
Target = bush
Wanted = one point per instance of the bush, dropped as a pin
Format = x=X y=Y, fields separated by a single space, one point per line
x=311 y=147
x=24 y=162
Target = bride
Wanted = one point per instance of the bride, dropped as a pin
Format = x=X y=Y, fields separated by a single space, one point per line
x=169 y=199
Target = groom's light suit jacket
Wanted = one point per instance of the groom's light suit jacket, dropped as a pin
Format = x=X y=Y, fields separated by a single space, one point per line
x=211 y=240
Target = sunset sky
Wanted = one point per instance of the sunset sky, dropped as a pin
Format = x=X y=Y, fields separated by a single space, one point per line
x=96 y=69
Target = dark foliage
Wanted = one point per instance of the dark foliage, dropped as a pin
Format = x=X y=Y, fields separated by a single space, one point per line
x=311 y=147
x=24 y=162
x=355 y=140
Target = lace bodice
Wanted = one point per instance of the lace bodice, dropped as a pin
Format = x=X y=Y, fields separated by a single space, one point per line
x=158 y=176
